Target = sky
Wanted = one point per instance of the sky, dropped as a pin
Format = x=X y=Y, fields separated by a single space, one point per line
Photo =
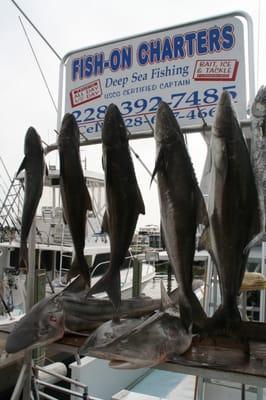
x=69 y=25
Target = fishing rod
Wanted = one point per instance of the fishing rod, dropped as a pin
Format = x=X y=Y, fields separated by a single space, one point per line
x=36 y=29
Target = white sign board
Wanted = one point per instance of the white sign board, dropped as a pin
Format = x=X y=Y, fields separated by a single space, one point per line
x=188 y=67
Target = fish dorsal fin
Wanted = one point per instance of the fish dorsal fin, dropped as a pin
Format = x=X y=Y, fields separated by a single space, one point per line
x=166 y=302
x=202 y=215
x=76 y=285
x=158 y=163
x=140 y=202
x=204 y=240
x=105 y=223
x=88 y=202
x=22 y=166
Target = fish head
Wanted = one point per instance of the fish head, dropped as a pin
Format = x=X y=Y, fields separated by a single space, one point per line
x=32 y=143
x=69 y=131
x=225 y=118
x=114 y=131
x=43 y=324
x=167 y=129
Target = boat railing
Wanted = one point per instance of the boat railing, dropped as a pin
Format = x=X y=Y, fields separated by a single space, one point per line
x=82 y=394
x=108 y=262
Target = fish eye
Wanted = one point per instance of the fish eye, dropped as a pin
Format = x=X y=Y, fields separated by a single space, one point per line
x=52 y=318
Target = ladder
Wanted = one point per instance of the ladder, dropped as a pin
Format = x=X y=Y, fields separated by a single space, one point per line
x=11 y=205
x=12 y=195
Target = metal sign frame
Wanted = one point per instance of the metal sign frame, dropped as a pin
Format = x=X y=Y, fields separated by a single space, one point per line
x=148 y=133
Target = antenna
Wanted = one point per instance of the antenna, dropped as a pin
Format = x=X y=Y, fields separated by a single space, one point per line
x=37 y=30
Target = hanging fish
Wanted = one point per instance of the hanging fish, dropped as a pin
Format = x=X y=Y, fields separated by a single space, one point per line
x=182 y=208
x=34 y=165
x=75 y=196
x=233 y=208
x=123 y=198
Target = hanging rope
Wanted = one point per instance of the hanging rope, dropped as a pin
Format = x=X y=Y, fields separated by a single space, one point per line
x=38 y=64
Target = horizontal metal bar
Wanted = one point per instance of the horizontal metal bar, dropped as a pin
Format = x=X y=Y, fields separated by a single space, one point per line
x=148 y=134
x=211 y=373
x=60 y=388
x=46 y=396
x=62 y=377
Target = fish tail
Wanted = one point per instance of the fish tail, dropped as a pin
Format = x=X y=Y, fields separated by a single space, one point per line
x=23 y=256
x=109 y=283
x=80 y=266
x=199 y=316
x=192 y=311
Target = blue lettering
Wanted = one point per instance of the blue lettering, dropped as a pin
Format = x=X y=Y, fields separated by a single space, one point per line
x=190 y=42
x=202 y=42
x=98 y=63
x=214 y=40
x=76 y=69
x=155 y=51
x=143 y=53
x=178 y=46
x=228 y=37
x=88 y=67
x=115 y=59
x=126 y=57
x=167 y=50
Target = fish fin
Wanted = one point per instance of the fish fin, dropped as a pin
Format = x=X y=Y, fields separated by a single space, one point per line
x=174 y=296
x=109 y=283
x=76 y=285
x=140 y=202
x=204 y=240
x=23 y=256
x=64 y=218
x=105 y=224
x=162 y=236
x=158 y=163
x=143 y=324
x=257 y=232
x=202 y=215
x=88 y=201
x=79 y=267
x=255 y=242
x=22 y=166
x=116 y=364
x=166 y=302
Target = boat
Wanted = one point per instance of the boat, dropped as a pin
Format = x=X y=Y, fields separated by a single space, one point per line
x=54 y=247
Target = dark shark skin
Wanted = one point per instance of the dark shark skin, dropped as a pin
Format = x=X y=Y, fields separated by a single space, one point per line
x=82 y=314
x=34 y=166
x=182 y=208
x=150 y=343
x=43 y=324
x=123 y=198
x=75 y=195
x=70 y=311
x=233 y=209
